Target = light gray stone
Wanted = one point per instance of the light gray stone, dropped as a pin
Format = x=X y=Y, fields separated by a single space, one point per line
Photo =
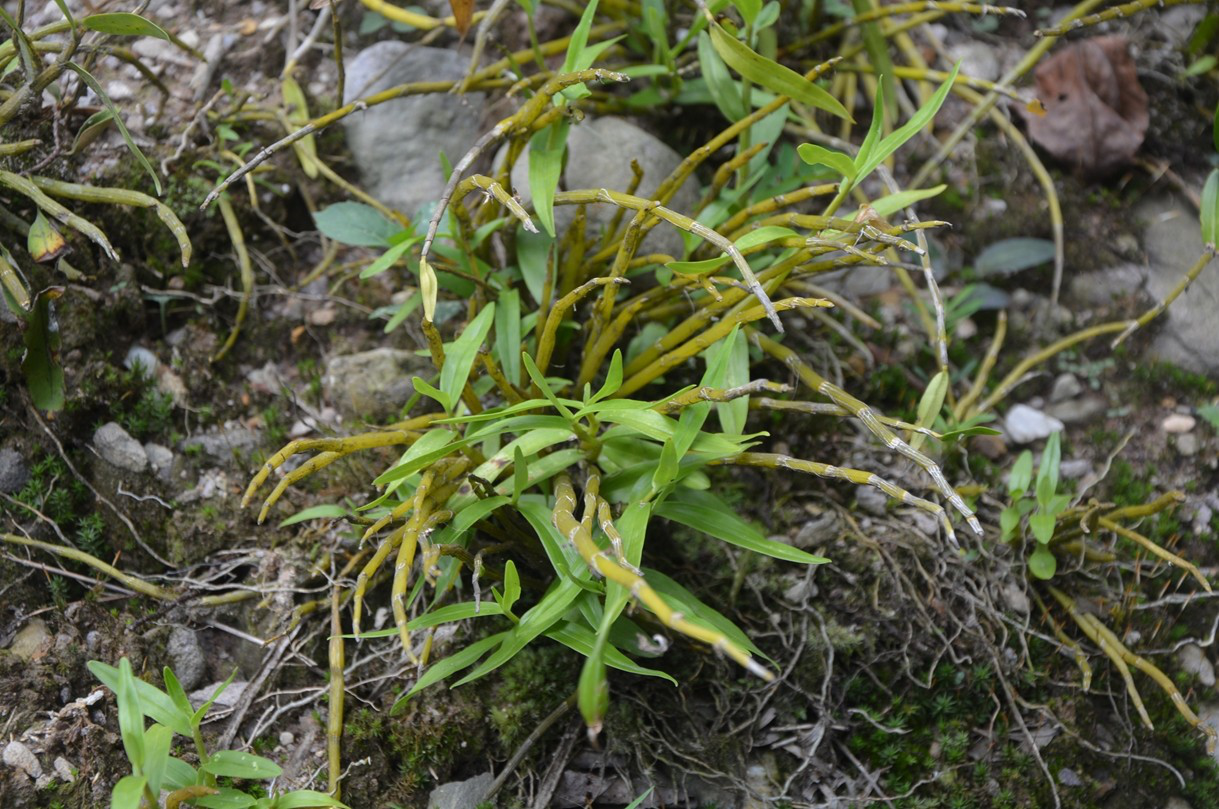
x=186 y=657
x=30 y=639
x=1079 y=411
x=224 y=444
x=978 y=59
x=1187 y=444
x=116 y=447
x=460 y=794
x=1178 y=423
x=1066 y=386
x=20 y=757
x=1173 y=240
x=1024 y=425
x=1069 y=778
x=397 y=145
x=1015 y=598
x=599 y=155
x=14 y=472
x=161 y=459
x=373 y=385
x=1193 y=660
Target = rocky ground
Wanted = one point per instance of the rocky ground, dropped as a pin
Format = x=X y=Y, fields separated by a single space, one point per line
x=887 y=689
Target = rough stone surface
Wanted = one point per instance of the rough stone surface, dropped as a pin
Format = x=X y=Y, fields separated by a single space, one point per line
x=1024 y=425
x=408 y=178
x=160 y=458
x=1066 y=386
x=1193 y=660
x=224 y=444
x=20 y=757
x=1083 y=410
x=460 y=794
x=599 y=154
x=117 y=448
x=1177 y=803
x=31 y=638
x=1187 y=444
x=1173 y=241
x=1069 y=778
x=186 y=657
x=13 y=471
x=372 y=385
x=1178 y=423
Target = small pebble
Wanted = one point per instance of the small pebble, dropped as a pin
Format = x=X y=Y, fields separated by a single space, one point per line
x=1068 y=778
x=286 y=738
x=1066 y=386
x=1024 y=425
x=64 y=769
x=1187 y=444
x=20 y=757
x=1178 y=423
x=1193 y=660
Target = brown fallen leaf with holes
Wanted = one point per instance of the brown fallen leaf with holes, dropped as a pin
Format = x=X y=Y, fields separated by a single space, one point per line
x=1095 y=109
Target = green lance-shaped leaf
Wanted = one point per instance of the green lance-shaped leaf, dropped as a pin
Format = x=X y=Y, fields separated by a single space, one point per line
x=93 y=85
x=546 y=150
x=871 y=156
x=124 y=24
x=1021 y=476
x=724 y=91
x=772 y=75
x=459 y=358
x=234 y=764
x=819 y=155
x=1210 y=209
x=43 y=374
x=298 y=116
x=705 y=512
x=128 y=792
x=929 y=406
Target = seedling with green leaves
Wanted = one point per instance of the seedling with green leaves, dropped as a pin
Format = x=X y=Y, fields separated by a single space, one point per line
x=1036 y=512
x=160 y=779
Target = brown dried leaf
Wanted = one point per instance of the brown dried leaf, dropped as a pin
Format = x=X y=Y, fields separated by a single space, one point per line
x=1096 y=110
x=463 y=14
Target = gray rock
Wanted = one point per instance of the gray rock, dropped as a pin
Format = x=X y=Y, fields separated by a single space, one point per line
x=460 y=794
x=64 y=769
x=978 y=59
x=379 y=137
x=1177 y=803
x=224 y=444
x=20 y=757
x=30 y=639
x=599 y=155
x=1187 y=444
x=161 y=459
x=1079 y=411
x=1015 y=598
x=1066 y=386
x=1075 y=468
x=1193 y=660
x=117 y=448
x=13 y=471
x=144 y=358
x=1100 y=288
x=373 y=385
x=1024 y=424
x=1069 y=778
x=1187 y=335
x=186 y=657
x=871 y=500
